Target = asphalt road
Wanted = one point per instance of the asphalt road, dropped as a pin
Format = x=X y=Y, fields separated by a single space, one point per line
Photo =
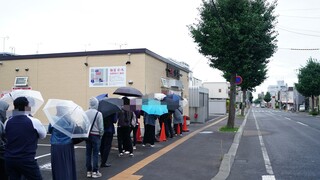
x=278 y=145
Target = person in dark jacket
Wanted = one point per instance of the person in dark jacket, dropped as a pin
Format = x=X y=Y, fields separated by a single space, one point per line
x=3 y=109
x=123 y=132
x=3 y=141
x=149 y=133
x=22 y=133
x=107 y=137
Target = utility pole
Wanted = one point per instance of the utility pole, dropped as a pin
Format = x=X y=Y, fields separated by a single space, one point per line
x=4 y=42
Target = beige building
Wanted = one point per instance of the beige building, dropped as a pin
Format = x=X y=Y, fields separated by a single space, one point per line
x=77 y=76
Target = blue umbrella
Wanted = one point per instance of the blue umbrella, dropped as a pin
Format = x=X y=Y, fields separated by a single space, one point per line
x=174 y=97
x=101 y=96
x=172 y=101
x=153 y=106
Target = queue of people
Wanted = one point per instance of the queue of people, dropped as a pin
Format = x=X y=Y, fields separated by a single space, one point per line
x=17 y=153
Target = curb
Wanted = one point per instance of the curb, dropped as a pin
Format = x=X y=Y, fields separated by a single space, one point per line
x=228 y=158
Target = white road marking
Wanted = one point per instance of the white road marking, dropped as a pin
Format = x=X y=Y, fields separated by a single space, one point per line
x=45 y=155
x=266 y=159
x=49 y=154
x=287 y=118
x=302 y=123
x=46 y=166
x=268 y=177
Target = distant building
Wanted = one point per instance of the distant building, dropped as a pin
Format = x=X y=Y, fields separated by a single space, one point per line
x=218 y=96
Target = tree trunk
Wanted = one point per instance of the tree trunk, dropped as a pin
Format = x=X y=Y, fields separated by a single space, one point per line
x=232 y=110
x=244 y=104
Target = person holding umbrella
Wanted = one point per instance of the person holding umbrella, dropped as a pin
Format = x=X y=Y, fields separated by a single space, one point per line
x=109 y=108
x=3 y=110
x=149 y=133
x=22 y=133
x=3 y=140
x=107 y=138
x=123 y=130
x=93 y=142
x=63 y=163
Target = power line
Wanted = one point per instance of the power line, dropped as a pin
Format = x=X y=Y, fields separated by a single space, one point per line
x=298 y=29
x=301 y=49
x=299 y=32
x=303 y=17
x=309 y=9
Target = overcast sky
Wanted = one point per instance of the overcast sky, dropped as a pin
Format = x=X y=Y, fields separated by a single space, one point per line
x=54 y=26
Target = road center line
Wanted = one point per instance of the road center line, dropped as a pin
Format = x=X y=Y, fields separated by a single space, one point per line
x=266 y=159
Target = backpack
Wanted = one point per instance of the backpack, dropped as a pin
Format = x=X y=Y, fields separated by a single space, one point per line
x=79 y=130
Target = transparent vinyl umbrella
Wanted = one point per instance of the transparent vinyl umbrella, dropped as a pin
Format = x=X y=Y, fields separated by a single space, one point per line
x=67 y=117
x=34 y=97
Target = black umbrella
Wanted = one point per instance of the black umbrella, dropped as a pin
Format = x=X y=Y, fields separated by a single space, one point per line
x=128 y=91
x=108 y=106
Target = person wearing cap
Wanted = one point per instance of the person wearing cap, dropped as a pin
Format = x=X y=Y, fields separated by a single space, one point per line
x=22 y=133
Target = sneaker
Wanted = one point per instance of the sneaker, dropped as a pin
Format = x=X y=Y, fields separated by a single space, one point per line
x=89 y=174
x=120 y=154
x=143 y=145
x=134 y=147
x=131 y=155
x=96 y=174
x=152 y=145
x=105 y=165
x=127 y=152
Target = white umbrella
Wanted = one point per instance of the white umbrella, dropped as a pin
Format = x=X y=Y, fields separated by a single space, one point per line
x=34 y=97
x=67 y=117
x=184 y=102
x=157 y=96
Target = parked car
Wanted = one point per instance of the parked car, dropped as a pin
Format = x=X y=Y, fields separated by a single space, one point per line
x=302 y=107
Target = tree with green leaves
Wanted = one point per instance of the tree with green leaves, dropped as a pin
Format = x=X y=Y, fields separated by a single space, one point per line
x=308 y=80
x=234 y=34
x=257 y=101
x=267 y=98
x=252 y=76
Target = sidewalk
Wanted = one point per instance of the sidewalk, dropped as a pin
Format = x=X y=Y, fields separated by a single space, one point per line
x=196 y=155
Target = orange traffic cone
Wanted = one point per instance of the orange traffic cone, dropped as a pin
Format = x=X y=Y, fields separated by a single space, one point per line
x=162 y=134
x=138 y=134
x=178 y=129
x=185 y=128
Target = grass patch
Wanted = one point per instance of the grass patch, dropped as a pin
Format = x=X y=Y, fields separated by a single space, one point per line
x=226 y=129
x=240 y=116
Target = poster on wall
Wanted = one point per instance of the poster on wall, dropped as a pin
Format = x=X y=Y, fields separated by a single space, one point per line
x=113 y=76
